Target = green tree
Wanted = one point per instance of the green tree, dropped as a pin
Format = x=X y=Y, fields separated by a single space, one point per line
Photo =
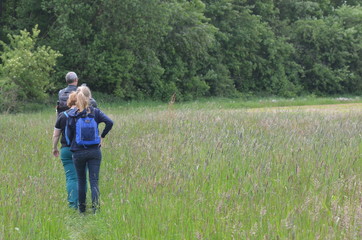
x=258 y=60
x=22 y=14
x=266 y=9
x=351 y=19
x=131 y=31
x=326 y=50
x=25 y=69
x=339 y=3
x=113 y=43
x=293 y=10
x=71 y=32
x=184 y=53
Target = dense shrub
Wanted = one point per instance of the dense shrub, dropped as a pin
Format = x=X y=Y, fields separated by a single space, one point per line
x=25 y=70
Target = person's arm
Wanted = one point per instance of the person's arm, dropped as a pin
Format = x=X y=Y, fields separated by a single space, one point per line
x=58 y=128
x=56 y=136
x=101 y=117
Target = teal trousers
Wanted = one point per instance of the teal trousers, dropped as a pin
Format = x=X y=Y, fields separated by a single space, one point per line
x=70 y=177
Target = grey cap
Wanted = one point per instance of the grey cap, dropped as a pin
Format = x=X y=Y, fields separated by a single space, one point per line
x=71 y=77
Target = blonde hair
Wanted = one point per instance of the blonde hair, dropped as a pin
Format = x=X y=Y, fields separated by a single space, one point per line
x=83 y=97
x=72 y=99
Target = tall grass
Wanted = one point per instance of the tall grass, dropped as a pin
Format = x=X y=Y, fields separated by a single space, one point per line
x=190 y=173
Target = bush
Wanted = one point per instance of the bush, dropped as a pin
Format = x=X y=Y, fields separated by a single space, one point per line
x=25 y=70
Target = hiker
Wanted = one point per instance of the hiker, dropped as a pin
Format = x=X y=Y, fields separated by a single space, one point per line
x=66 y=154
x=71 y=79
x=85 y=145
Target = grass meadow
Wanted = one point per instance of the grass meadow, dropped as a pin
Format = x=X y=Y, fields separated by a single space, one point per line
x=193 y=173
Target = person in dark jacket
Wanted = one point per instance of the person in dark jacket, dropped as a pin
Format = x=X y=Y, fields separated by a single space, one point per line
x=71 y=79
x=88 y=156
x=65 y=153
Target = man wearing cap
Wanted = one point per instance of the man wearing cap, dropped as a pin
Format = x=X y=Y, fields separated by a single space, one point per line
x=72 y=80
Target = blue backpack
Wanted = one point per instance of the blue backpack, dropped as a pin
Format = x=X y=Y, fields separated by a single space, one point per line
x=86 y=129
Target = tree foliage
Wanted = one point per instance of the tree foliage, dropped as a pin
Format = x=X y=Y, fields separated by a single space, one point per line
x=138 y=49
x=329 y=50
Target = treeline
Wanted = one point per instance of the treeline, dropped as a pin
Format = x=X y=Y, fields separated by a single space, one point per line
x=142 y=49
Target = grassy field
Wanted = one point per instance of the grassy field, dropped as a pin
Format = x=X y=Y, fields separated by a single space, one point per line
x=191 y=172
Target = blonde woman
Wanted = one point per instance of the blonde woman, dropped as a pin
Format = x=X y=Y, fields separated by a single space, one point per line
x=84 y=155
